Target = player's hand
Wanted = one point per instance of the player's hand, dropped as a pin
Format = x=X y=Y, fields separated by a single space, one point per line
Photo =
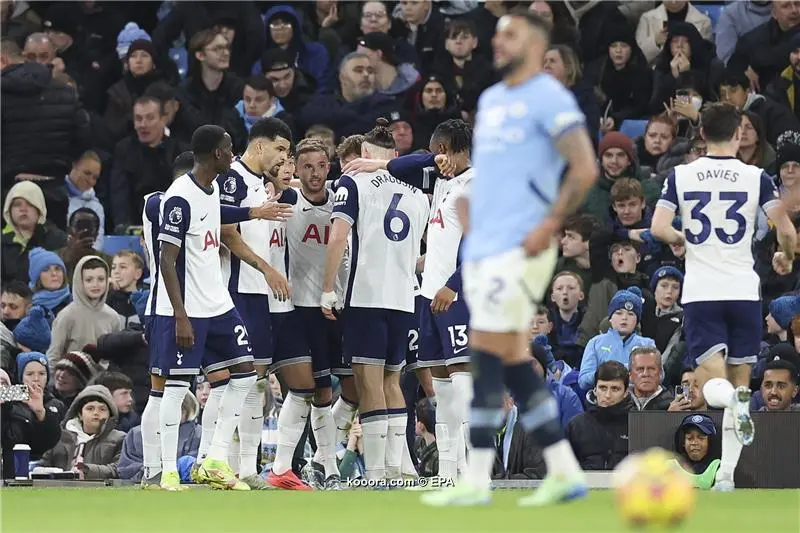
x=680 y=403
x=278 y=283
x=443 y=300
x=781 y=264
x=327 y=303
x=272 y=211
x=184 y=334
x=445 y=165
x=541 y=237
x=361 y=164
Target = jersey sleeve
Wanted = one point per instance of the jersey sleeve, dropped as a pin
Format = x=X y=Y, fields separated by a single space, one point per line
x=152 y=208
x=417 y=170
x=768 y=196
x=176 y=221
x=289 y=196
x=669 y=193
x=560 y=113
x=232 y=189
x=345 y=202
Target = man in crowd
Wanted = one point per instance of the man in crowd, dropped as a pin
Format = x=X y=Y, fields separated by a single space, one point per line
x=293 y=87
x=15 y=302
x=646 y=377
x=779 y=386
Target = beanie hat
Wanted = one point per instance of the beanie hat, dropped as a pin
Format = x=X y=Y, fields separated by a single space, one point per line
x=39 y=260
x=130 y=33
x=616 y=139
x=28 y=357
x=629 y=299
x=33 y=331
x=142 y=44
x=665 y=272
x=784 y=309
x=79 y=363
x=787 y=148
x=621 y=33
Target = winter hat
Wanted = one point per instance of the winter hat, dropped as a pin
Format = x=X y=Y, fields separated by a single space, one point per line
x=79 y=363
x=379 y=41
x=629 y=299
x=701 y=422
x=784 y=309
x=39 y=260
x=665 y=272
x=33 y=331
x=787 y=148
x=616 y=139
x=31 y=193
x=28 y=357
x=142 y=44
x=621 y=33
x=130 y=33
x=276 y=59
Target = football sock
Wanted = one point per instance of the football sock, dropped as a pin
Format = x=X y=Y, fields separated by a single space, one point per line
x=343 y=412
x=407 y=468
x=445 y=415
x=395 y=437
x=324 y=428
x=291 y=424
x=375 y=426
x=250 y=424
x=731 y=447
x=486 y=416
x=169 y=420
x=151 y=437
x=462 y=390
x=208 y=422
x=230 y=410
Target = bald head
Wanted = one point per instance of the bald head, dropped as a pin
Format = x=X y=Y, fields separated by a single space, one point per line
x=39 y=48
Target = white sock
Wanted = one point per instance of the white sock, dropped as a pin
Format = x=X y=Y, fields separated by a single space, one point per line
x=230 y=410
x=718 y=392
x=446 y=441
x=324 y=428
x=407 y=468
x=151 y=437
x=343 y=413
x=560 y=460
x=375 y=434
x=462 y=392
x=479 y=467
x=234 y=450
x=395 y=437
x=208 y=422
x=291 y=424
x=250 y=425
x=169 y=421
x=731 y=447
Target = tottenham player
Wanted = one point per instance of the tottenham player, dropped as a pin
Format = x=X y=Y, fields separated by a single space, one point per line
x=530 y=131
x=718 y=198
x=387 y=218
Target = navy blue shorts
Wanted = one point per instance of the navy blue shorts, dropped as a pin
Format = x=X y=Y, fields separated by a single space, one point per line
x=219 y=342
x=733 y=327
x=290 y=346
x=375 y=337
x=444 y=337
x=324 y=337
x=412 y=353
x=254 y=310
x=148 y=330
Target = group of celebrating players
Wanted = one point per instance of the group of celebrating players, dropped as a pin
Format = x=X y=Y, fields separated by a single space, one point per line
x=257 y=271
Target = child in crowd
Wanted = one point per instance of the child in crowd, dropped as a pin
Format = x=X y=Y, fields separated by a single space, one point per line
x=47 y=275
x=666 y=328
x=33 y=332
x=121 y=388
x=781 y=312
x=567 y=295
x=127 y=270
x=577 y=229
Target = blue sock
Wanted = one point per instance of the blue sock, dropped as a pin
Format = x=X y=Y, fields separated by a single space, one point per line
x=487 y=401
x=538 y=410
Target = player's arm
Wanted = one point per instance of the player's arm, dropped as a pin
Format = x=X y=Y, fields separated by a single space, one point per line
x=575 y=147
x=661 y=226
x=277 y=282
x=176 y=217
x=344 y=216
x=267 y=211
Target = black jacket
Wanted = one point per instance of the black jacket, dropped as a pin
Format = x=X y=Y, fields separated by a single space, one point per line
x=346 y=118
x=599 y=436
x=217 y=107
x=15 y=256
x=766 y=48
x=659 y=403
x=430 y=38
x=525 y=459
x=303 y=90
x=121 y=96
x=138 y=170
x=587 y=102
x=128 y=353
x=476 y=75
x=627 y=90
x=777 y=118
x=20 y=426
x=43 y=128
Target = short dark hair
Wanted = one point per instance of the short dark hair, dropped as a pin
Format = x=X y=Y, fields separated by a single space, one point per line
x=544 y=310
x=19 y=288
x=687 y=369
x=161 y=90
x=183 y=164
x=612 y=371
x=145 y=99
x=94 y=262
x=206 y=139
x=270 y=128
x=113 y=381
x=84 y=211
x=261 y=83
x=782 y=364
x=457 y=27
x=456 y=134
x=719 y=121
x=380 y=135
x=733 y=78
x=350 y=145
x=583 y=225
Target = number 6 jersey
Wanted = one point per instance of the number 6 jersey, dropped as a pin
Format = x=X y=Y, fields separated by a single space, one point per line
x=388 y=218
x=718 y=199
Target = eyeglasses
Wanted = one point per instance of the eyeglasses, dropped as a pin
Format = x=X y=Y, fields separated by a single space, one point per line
x=279 y=24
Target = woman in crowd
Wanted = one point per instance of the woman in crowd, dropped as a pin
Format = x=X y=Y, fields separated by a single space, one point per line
x=562 y=63
x=658 y=138
x=754 y=148
x=437 y=103
x=48 y=280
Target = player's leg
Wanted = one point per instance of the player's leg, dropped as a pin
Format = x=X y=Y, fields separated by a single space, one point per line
x=345 y=407
x=398 y=327
x=453 y=332
x=208 y=423
x=151 y=437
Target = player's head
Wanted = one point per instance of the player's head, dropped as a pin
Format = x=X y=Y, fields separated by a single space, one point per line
x=285 y=174
x=270 y=141
x=721 y=124
x=349 y=148
x=378 y=143
x=212 y=146
x=312 y=164
x=452 y=136
x=521 y=38
x=183 y=164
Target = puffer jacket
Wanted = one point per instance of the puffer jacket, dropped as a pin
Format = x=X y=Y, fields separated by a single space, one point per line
x=599 y=436
x=608 y=346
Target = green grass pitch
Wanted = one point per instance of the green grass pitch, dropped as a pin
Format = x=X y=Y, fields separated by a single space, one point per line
x=197 y=511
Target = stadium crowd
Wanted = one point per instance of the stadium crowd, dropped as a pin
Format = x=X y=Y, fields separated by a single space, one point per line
x=99 y=98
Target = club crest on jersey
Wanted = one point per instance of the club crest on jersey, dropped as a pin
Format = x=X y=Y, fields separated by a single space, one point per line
x=230 y=185
x=175 y=216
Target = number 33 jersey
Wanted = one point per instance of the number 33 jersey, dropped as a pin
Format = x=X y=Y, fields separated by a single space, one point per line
x=388 y=218
x=718 y=199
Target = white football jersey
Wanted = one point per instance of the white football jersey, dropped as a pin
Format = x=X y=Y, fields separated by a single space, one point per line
x=150 y=228
x=279 y=254
x=307 y=233
x=241 y=187
x=444 y=233
x=388 y=218
x=190 y=218
x=718 y=199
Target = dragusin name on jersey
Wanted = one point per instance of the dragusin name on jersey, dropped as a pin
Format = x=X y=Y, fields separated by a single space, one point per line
x=377 y=181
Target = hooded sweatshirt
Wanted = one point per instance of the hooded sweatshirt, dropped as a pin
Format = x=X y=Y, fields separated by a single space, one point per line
x=82 y=321
x=87 y=198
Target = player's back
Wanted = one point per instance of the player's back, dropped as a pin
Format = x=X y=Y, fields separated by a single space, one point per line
x=388 y=222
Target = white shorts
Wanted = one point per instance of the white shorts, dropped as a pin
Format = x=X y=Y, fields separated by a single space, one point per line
x=503 y=291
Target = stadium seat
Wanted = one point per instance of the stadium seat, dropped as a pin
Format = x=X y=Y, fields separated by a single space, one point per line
x=633 y=128
x=181 y=58
x=712 y=11
x=114 y=243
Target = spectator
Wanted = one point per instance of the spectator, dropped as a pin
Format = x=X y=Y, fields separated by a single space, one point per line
x=293 y=87
x=142 y=162
x=391 y=78
x=18 y=19
x=32 y=334
x=129 y=34
x=754 y=148
x=48 y=280
x=88 y=316
x=375 y=18
x=558 y=17
x=8 y=349
x=331 y=23
x=518 y=456
x=567 y=295
x=569 y=405
x=683 y=108
x=485 y=18
x=427 y=451
x=259 y=101
x=652 y=31
x=402 y=131
x=625 y=314
x=80 y=184
x=562 y=63
x=356 y=106
x=211 y=91
x=659 y=136
x=783 y=89
x=131 y=460
x=779 y=386
x=127 y=352
x=127 y=270
x=700 y=448
x=577 y=230
x=436 y=104
x=71 y=374
x=631 y=221
x=40 y=49
x=120 y=386
x=284 y=32
x=44 y=129
x=734 y=88
x=737 y=19
x=84 y=227
x=647 y=374
x=34 y=422
x=15 y=303
x=90 y=444
x=599 y=436
x=691 y=394
x=181 y=120
x=666 y=327
x=423 y=27
x=595 y=21
x=324 y=135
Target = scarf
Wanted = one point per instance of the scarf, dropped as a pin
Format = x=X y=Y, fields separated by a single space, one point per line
x=671 y=311
x=52 y=299
x=75 y=426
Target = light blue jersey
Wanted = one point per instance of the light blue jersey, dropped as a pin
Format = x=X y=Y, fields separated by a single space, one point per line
x=517 y=167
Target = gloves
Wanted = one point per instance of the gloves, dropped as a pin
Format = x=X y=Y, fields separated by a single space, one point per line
x=652 y=245
x=541 y=340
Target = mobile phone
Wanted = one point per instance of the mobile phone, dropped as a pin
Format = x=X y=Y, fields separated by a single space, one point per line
x=14 y=393
x=85 y=227
x=678 y=390
x=682 y=96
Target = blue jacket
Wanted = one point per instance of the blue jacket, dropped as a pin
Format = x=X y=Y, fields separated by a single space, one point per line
x=569 y=404
x=607 y=346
